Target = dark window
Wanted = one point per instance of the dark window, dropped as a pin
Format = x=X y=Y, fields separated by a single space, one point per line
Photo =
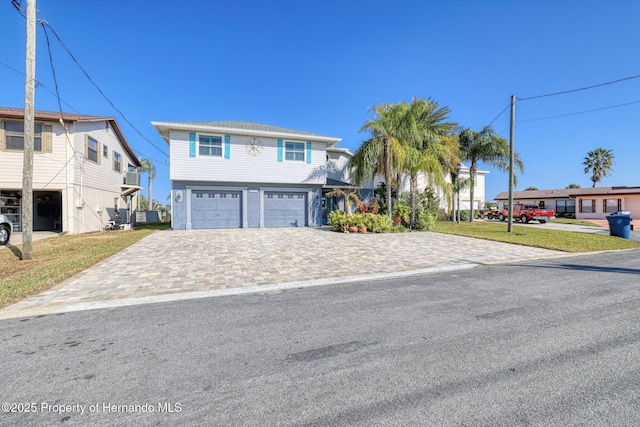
x=14 y=133
x=92 y=150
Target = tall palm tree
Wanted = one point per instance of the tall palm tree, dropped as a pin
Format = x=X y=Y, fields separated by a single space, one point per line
x=429 y=146
x=150 y=169
x=382 y=153
x=488 y=147
x=600 y=162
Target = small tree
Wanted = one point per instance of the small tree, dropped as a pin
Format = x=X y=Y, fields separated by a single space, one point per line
x=350 y=198
x=532 y=188
x=572 y=185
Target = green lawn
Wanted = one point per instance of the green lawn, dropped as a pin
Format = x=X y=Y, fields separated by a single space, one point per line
x=566 y=241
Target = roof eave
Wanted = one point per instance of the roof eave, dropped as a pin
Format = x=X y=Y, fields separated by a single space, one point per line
x=250 y=132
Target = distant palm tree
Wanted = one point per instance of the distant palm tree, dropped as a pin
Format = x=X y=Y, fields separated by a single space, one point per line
x=488 y=147
x=532 y=188
x=600 y=163
x=572 y=185
x=148 y=167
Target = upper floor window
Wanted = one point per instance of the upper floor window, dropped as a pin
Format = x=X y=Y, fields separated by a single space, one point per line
x=14 y=135
x=117 y=162
x=92 y=149
x=210 y=145
x=105 y=151
x=294 y=151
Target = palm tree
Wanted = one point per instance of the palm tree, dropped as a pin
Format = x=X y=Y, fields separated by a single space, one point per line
x=532 y=188
x=148 y=167
x=572 y=185
x=382 y=153
x=488 y=147
x=428 y=146
x=457 y=185
x=600 y=162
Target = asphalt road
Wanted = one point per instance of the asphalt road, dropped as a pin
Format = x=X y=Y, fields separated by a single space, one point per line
x=537 y=343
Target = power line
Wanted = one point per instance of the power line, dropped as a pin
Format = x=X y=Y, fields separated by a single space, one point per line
x=17 y=4
x=71 y=107
x=501 y=113
x=100 y=90
x=579 y=89
x=580 y=112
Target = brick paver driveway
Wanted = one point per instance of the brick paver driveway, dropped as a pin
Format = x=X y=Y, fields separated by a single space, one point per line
x=196 y=263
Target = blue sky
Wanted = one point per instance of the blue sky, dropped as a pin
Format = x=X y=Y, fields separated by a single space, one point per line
x=318 y=66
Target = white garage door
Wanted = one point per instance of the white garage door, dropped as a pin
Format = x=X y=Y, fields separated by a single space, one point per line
x=215 y=209
x=282 y=209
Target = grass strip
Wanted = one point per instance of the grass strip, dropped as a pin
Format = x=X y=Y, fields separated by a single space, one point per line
x=567 y=241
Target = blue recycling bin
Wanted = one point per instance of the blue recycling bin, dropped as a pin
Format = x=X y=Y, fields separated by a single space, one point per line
x=620 y=224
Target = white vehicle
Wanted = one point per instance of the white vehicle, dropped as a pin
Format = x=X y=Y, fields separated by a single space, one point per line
x=5 y=229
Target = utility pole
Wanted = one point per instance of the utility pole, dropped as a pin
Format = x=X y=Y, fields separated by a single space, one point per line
x=512 y=129
x=27 y=171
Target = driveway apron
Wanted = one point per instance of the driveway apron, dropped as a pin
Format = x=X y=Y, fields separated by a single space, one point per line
x=171 y=264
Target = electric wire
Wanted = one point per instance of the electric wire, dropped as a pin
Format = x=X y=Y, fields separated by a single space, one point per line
x=501 y=113
x=579 y=112
x=580 y=89
x=100 y=90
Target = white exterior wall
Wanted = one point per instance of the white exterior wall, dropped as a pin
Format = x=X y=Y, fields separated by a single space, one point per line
x=337 y=166
x=243 y=167
x=90 y=185
x=465 y=195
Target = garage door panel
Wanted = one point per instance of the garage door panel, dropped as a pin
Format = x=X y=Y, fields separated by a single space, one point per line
x=282 y=209
x=215 y=209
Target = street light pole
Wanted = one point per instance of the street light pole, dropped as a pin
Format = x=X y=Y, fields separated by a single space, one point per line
x=511 y=141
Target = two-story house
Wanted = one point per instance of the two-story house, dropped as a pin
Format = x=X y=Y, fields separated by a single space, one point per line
x=83 y=169
x=245 y=175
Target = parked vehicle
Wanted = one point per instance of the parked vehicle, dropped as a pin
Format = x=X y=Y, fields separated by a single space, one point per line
x=5 y=229
x=487 y=213
x=525 y=212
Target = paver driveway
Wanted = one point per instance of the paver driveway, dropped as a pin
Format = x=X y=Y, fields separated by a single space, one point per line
x=197 y=263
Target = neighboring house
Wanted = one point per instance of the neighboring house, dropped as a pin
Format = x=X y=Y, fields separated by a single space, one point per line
x=465 y=195
x=247 y=175
x=584 y=203
x=82 y=172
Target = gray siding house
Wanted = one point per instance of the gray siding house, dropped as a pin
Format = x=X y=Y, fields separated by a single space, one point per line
x=237 y=174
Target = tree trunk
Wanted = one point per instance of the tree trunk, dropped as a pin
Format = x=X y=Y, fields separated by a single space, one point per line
x=412 y=191
x=150 y=194
x=388 y=175
x=458 y=208
x=472 y=185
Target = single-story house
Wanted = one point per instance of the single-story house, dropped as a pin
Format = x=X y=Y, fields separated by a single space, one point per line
x=238 y=174
x=583 y=203
x=83 y=169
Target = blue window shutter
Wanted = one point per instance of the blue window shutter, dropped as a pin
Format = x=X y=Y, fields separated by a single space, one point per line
x=280 y=150
x=227 y=146
x=192 y=144
x=308 y=152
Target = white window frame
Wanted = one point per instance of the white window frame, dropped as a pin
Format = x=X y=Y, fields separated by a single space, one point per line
x=294 y=151
x=97 y=150
x=210 y=147
x=117 y=162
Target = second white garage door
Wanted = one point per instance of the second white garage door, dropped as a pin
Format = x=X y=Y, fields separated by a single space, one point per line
x=282 y=209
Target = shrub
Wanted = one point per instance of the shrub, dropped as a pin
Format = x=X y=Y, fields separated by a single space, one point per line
x=403 y=210
x=337 y=219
